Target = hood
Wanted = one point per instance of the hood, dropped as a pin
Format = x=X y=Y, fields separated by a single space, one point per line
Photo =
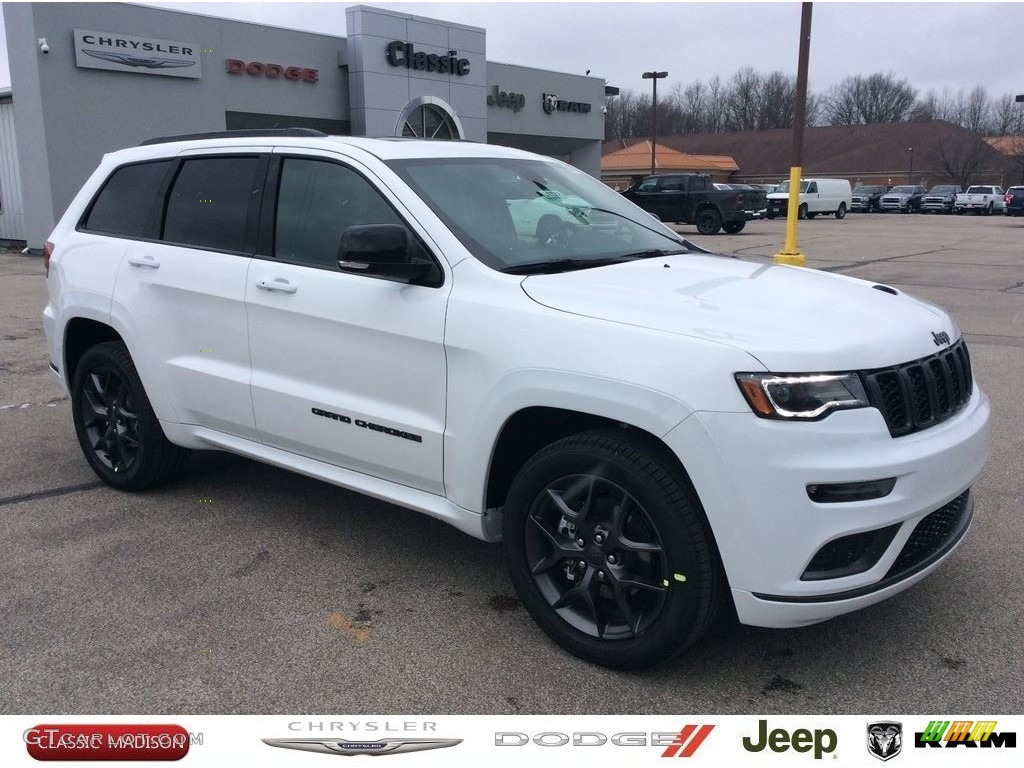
x=791 y=319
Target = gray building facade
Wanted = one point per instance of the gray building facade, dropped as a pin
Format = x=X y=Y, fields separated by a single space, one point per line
x=110 y=75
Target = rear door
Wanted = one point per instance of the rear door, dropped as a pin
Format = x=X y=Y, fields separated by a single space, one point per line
x=347 y=368
x=183 y=291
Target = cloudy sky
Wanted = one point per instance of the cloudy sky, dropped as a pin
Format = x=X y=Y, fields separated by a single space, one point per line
x=933 y=45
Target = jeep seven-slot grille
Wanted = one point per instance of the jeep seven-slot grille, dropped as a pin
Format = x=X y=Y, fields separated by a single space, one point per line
x=922 y=393
x=934 y=533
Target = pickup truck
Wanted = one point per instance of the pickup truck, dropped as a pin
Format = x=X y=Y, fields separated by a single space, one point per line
x=941 y=198
x=981 y=198
x=691 y=198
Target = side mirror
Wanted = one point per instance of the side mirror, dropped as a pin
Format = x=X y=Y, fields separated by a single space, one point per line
x=385 y=250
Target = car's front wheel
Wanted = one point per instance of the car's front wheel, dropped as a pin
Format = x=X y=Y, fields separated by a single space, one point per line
x=608 y=549
x=115 y=423
x=841 y=211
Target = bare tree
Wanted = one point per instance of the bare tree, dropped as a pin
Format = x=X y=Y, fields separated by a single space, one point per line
x=877 y=98
x=958 y=155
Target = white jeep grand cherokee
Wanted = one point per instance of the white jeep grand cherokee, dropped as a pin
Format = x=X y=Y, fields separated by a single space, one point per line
x=652 y=429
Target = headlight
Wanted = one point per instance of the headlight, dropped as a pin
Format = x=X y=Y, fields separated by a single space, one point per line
x=801 y=397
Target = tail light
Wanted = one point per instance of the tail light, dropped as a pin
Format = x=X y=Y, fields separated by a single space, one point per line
x=47 y=253
x=1007 y=199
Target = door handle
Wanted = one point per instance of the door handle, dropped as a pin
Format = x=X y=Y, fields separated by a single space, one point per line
x=278 y=284
x=144 y=261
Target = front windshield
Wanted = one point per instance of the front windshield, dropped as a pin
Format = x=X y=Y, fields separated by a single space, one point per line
x=942 y=190
x=903 y=190
x=784 y=186
x=866 y=190
x=512 y=212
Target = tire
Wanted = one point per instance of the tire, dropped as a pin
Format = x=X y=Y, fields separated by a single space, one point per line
x=801 y=212
x=129 y=452
x=770 y=215
x=988 y=210
x=733 y=227
x=841 y=211
x=709 y=221
x=811 y=215
x=640 y=521
x=959 y=211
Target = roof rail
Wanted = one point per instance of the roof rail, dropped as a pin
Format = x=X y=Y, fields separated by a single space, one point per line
x=239 y=134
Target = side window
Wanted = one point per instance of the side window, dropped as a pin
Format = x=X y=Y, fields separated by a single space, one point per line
x=648 y=185
x=316 y=202
x=672 y=184
x=209 y=202
x=124 y=204
x=813 y=187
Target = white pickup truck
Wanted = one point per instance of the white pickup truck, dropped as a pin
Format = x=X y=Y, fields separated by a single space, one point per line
x=980 y=199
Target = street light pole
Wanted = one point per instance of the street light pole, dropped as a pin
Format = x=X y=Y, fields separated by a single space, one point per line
x=910 y=174
x=654 y=76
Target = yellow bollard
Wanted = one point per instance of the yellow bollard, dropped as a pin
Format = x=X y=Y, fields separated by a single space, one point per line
x=790 y=254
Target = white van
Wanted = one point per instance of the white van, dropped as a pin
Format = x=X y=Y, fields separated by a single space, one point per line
x=816 y=196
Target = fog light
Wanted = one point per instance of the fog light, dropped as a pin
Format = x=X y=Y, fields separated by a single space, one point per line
x=837 y=493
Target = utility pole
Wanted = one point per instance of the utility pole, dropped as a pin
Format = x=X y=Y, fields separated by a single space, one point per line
x=655 y=77
x=790 y=254
x=910 y=174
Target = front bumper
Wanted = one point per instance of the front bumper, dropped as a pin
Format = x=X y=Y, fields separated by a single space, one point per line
x=752 y=476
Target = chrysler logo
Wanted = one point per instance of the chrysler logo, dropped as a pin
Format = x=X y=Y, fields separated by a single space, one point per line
x=379 y=747
x=138 y=61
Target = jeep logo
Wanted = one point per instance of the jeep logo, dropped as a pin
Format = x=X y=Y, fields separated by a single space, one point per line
x=801 y=740
x=940 y=338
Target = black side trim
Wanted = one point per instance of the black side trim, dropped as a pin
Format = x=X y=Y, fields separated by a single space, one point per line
x=891 y=578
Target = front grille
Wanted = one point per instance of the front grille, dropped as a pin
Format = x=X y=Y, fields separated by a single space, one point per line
x=922 y=393
x=933 y=535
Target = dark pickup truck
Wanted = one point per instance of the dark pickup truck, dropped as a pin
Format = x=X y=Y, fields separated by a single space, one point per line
x=691 y=198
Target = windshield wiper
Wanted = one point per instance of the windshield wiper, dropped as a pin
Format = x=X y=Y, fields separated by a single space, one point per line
x=559 y=265
x=652 y=253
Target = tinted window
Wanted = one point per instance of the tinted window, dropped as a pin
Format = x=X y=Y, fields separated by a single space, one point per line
x=316 y=202
x=124 y=204
x=209 y=202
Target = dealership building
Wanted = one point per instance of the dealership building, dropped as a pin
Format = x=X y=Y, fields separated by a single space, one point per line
x=89 y=78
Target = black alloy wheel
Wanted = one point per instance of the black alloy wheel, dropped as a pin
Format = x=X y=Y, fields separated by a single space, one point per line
x=608 y=550
x=709 y=221
x=116 y=427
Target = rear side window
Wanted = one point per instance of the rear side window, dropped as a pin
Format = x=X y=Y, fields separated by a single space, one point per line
x=209 y=202
x=125 y=203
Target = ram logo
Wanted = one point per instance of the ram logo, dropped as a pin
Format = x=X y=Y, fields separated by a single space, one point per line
x=885 y=739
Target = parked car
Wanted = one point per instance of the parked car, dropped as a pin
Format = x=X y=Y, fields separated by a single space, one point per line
x=980 y=198
x=1013 y=201
x=751 y=213
x=692 y=198
x=905 y=198
x=941 y=198
x=825 y=196
x=865 y=199
x=654 y=431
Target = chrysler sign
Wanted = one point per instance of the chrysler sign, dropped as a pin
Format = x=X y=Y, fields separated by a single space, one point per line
x=127 y=53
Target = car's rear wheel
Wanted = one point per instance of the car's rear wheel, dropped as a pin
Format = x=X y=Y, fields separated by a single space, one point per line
x=841 y=211
x=608 y=549
x=709 y=221
x=115 y=423
x=733 y=227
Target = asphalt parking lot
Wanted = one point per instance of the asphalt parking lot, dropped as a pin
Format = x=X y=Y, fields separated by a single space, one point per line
x=245 y=589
